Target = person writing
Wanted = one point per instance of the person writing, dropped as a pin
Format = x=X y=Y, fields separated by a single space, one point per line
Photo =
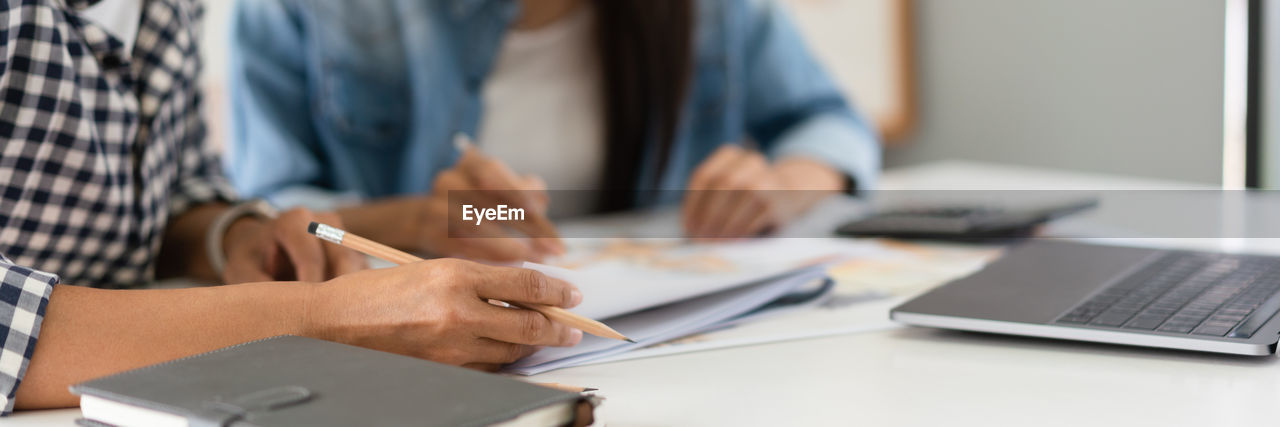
x=355 y=106
x=107 y=182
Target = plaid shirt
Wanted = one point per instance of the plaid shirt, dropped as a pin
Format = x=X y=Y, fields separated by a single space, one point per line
x=100 y=147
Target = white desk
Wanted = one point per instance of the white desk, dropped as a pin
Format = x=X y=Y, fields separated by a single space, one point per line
x=914 y=376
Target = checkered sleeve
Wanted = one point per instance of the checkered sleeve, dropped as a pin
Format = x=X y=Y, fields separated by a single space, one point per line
x=201 y=179
x=24 y=294
x=200 y=176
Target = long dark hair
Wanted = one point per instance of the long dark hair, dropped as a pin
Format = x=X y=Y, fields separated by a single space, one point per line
x=646 y=51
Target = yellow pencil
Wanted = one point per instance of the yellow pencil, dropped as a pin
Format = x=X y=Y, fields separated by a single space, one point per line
x=568 y=388
x=375 y=249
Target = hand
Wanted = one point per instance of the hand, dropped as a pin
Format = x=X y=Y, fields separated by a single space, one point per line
x=737 y=193
x=261 y=250
x=437 y=310
x=484 y=181
x=425 y=224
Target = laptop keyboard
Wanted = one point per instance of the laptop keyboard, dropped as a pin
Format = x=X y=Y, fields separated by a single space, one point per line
x=1188 y=293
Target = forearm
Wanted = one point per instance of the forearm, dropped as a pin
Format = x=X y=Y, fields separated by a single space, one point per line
x=182 y=252
x=809 y=180
x=88 y=333
x=837 y=142
x=801 y=173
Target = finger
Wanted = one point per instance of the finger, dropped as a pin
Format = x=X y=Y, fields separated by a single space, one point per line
x=517 y=326
x=489 y=174
x=526 y=286
x=748 y=172
x=498 y=348
x=720 y=205
x=538 y=187
x=761 y=221
x=450 y=191
x=722 y=158
x=534 y=227
x=490 y=241
x=305 y=252
x=486 y=241
x=759 y=218
x=740 y=209
x=538 y=226
x=732 y=208
x=278 y=264
x=552 y=246
x=500 y=185
x=711 y=213
x=448 y=180
x=549 y=246
x=500 y=249
x=486 y=367
x=704 y=184
x=343 y=261
x=497 y=185
x=494 y=352
x=697 y=183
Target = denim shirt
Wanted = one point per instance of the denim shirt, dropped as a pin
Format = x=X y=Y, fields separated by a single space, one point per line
x=339 y=100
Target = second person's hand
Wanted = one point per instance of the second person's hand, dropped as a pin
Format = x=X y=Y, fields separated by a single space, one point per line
x=433 y=224
x=738 y=193
x=259 y=250
x=484 y=181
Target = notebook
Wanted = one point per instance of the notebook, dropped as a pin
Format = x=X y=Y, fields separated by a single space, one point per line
x=297 y=381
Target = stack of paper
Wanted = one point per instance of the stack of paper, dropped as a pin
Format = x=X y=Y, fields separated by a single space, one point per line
x=862 y=290
x=655 y=290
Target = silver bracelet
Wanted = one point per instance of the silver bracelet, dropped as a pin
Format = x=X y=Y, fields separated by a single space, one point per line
x=217 y=230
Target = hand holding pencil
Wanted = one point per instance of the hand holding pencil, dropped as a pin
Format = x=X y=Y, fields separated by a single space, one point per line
x=482 y=180
x=552 y=312
x=436 y=310
x=431 y=222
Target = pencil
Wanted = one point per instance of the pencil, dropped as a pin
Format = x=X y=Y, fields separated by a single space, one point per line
x=566 y=387
x=375 y=249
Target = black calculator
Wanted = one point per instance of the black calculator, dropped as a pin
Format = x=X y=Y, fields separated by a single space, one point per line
x=964 y=223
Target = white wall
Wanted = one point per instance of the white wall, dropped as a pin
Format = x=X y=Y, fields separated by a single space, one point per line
x=213 y=47
x=1271 y=96
x=1131 y=86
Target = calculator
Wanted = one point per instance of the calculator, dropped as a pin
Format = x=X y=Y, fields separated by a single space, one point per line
x=958 y=222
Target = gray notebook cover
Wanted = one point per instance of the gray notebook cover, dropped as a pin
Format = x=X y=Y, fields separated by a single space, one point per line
x=296 y=381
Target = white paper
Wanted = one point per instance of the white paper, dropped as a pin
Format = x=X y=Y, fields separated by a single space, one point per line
x=866 y=288
x=810 y=322
x=619 y=285
x=667 y=322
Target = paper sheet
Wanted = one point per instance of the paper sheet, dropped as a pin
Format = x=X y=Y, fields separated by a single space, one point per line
x=866 y=289
x=619 y=276
x=667 y=322
x=811 y=322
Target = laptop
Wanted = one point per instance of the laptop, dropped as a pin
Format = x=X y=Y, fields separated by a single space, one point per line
x=1177 y=299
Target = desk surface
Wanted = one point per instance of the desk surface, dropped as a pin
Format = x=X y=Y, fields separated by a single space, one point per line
x=911 y=376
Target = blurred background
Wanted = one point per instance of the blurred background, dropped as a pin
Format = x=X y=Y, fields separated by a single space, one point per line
x=1150 y=88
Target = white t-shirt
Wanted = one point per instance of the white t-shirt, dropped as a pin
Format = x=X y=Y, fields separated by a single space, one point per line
x=543 y=108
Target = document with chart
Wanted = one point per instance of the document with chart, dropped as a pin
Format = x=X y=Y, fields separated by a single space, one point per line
x=675 y=297
x=654 y=290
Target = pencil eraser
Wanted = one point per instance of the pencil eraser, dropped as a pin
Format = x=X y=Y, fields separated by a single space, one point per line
x=312 y=228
